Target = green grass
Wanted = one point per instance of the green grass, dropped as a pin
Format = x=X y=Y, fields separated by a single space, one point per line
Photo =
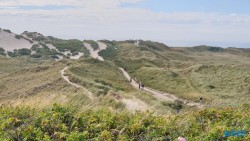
x=156 y=66
x=72 y=45
x=103 y=75
x=229 y=84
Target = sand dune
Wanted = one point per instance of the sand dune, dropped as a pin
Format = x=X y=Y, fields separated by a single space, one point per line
x=94 y=53
x=8 y=41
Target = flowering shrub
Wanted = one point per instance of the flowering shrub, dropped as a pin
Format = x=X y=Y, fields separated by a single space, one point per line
x=62 y=123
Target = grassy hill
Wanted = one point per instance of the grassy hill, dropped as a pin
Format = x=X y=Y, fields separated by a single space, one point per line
x=220 y=75
x=38 y=83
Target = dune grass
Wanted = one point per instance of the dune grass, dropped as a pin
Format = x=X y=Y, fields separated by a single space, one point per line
x=174 y=70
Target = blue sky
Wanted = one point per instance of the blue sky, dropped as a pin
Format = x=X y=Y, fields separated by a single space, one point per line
x=223 y=23
x=214 y=6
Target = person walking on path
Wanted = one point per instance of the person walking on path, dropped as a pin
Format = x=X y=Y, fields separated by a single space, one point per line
x=142 y=86
x=201 y=100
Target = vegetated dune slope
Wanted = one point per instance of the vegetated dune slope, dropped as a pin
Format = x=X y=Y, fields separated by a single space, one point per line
x=218 y=75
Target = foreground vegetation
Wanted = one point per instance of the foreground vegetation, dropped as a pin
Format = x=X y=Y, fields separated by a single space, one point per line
x=62 y=123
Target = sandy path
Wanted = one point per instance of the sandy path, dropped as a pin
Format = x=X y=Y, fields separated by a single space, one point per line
x=66 y=78
x=160 y=95
x=94 y=53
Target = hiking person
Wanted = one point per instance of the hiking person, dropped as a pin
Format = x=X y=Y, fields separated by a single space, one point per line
x=201 y=100
x=142 y=86
x=130 y=79
x=139 y=86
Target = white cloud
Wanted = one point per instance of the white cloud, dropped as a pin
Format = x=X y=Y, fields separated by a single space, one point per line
x=99 y=19
x=107 y=3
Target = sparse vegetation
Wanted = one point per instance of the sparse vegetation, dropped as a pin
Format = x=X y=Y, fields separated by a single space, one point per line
x=71 y=45
x=24 y=52
x=18 y=36
x=7 y=30
x=109 y=53
x=2 y=51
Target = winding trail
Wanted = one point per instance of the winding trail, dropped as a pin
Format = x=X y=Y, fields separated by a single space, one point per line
x=134 y=103
x=160 y=95
x=131 y=104
x=66 y=78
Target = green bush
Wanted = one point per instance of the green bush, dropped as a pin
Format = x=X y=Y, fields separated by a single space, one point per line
x=2 y=51
x=71 y=45
x=62 y=123
x=109 y=53
x=24 y=52
x=7 y=30
x=18 y=36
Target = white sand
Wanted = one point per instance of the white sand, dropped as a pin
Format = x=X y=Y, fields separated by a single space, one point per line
x=102 y=46
x=137 y=43
x=66 y=53
x=9 y=42
x=52 y=47
x=60 y=57
x=94 y=53
x=76 y=57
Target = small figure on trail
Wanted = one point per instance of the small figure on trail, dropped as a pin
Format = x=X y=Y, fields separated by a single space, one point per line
x=130 y=79
x=201 y=100
x=139 y=86
x=142 y=86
